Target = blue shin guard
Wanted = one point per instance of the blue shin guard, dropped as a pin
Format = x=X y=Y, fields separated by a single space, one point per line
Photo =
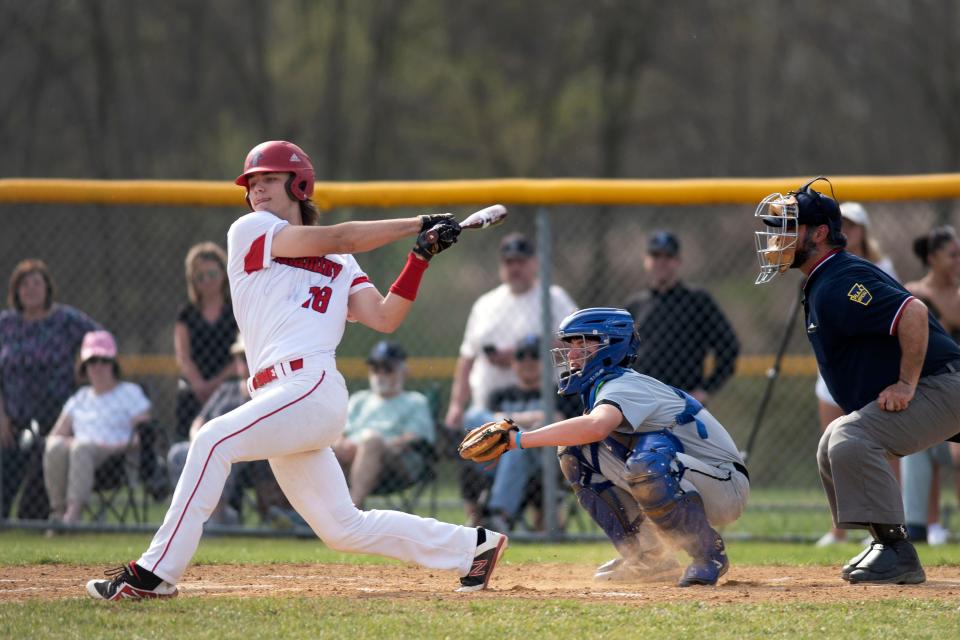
x=613 y=509
x=654 y=476
x=695 y=535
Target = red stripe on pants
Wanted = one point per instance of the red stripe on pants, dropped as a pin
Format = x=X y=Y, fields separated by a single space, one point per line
x=207 y=462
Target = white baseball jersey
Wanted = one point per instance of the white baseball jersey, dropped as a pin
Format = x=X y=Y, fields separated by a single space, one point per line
x=286 y=308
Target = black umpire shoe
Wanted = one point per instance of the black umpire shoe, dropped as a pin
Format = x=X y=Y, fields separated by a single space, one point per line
x=890 y=563
x=855 y=561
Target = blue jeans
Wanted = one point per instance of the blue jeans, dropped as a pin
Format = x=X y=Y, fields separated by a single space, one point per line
x=916 y=471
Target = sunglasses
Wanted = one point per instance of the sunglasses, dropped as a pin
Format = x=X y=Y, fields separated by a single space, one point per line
x=525 y=355
x=382 y=368
x=98 y=360
x=209 y=274
x=661 y=255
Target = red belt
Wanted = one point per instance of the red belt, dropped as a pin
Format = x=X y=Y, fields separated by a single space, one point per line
x=268 y=375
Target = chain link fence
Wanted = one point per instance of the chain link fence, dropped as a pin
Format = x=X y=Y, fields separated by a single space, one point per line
x=124 y=269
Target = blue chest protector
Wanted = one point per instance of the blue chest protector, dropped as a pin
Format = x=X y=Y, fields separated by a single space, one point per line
x=690 y=411
x=589 y=396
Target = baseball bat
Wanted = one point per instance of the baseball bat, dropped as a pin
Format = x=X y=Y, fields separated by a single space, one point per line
x=489 y=217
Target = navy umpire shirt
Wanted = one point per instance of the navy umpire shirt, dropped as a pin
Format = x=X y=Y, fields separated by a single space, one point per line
x=852 y=309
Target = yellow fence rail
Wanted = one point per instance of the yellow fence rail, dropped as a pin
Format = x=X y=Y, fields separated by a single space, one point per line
x=524 y=191
x=560 y=191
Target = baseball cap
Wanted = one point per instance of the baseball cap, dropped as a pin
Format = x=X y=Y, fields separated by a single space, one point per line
x=516 y=245
x=528 y=346
x=855 y=213
x=663 y=242
x=813 y=209
x=98 y=344
x=384 y=352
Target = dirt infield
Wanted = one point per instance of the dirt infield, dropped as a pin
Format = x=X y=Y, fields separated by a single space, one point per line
x=525 y=581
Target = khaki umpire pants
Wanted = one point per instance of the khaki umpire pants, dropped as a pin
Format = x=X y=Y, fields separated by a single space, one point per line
x=851 y=456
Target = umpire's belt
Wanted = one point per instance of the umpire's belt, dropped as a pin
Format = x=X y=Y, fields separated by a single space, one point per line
x=269 y=374
x=950 y=367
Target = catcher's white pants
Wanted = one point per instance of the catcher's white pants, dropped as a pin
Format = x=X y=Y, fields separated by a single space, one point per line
x=292 y=422
x=723 y=489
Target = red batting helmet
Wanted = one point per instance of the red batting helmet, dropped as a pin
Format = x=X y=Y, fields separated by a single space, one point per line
x=283 y=157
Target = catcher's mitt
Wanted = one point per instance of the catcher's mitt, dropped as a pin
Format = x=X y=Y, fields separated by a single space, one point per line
x=488 y=441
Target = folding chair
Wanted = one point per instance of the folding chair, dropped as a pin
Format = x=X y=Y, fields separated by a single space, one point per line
x=569 y=513
x=114 y=493
x=406 y=496
x=117 y=480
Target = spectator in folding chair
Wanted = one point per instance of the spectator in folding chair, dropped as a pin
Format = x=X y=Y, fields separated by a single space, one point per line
x=498 y=320
x=271 y=503
x=511 y=478
x=390 y=431
x=96 y=423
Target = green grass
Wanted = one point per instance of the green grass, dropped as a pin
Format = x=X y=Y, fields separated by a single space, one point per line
x=771 y=512
x=503 y=617
x=488 y=618
x=777 y=513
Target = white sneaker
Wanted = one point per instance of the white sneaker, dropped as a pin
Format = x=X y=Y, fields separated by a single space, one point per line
x=499 y=523
x=937 y=534
x=828 y=539
x=644 y=569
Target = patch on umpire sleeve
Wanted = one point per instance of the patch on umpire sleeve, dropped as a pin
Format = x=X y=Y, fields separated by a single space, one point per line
x=859 y=294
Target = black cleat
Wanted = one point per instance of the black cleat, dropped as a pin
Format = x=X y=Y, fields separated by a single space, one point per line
x=130 y=582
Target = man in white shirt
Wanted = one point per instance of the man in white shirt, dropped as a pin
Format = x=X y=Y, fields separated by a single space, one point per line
x=498 y=321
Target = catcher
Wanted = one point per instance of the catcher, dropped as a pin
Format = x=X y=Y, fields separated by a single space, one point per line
x=651 y=466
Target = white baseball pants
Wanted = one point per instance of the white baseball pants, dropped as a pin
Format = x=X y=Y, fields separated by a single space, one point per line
x=292 y=422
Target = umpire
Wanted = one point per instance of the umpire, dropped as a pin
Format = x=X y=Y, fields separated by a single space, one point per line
x=888 y=363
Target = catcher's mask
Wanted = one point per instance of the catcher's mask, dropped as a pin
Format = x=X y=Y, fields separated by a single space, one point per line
x=610 y=342
x=781 y=216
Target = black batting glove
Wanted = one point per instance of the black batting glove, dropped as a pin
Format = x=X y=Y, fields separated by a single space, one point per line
x=437 y=239
x=430 y=221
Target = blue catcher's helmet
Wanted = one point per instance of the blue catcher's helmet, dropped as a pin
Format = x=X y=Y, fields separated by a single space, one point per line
x=616 y=346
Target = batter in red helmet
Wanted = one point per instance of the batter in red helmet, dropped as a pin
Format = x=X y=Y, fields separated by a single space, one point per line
x=294 y=286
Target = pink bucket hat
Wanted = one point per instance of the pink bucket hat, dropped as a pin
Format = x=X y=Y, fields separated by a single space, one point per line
x=98 y=344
